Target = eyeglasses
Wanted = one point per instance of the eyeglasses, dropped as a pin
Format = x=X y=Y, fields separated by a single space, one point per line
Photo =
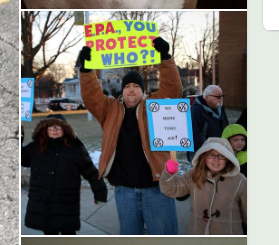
x=218 y=96
x=54 y=128
x=212 y=156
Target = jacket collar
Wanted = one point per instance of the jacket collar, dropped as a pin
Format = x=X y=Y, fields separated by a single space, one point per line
x=200 y=101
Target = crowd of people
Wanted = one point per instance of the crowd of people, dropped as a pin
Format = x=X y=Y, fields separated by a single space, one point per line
x=145 y=182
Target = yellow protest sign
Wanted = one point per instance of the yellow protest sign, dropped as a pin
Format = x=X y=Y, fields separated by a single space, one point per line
x=121 y=43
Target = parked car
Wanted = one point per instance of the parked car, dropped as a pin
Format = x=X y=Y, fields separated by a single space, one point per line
x=59 y=104
x=81 y=105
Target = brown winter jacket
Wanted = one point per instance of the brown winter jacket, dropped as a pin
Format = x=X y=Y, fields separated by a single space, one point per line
x=224 y=197
x=110 y=113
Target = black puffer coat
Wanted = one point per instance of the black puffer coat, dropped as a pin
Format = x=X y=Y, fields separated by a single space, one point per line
x=54 y=194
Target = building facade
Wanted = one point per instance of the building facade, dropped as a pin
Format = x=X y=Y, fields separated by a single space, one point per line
x=233 y=58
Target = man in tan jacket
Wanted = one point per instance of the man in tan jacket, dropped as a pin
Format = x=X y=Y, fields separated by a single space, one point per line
x=126 y=159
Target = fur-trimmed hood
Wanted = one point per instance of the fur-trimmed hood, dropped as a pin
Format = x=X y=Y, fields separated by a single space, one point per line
x=68 y=130
x=223 y=147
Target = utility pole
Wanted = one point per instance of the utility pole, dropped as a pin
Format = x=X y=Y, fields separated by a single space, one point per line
x=86 y=14
x=213 y=52
x=200 y=61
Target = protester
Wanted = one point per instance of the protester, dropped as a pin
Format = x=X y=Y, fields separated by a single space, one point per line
x=57 y=159
x=237 y=136
x=208 y=119
x=219 y=191
x=208 y=116
x=126 y=159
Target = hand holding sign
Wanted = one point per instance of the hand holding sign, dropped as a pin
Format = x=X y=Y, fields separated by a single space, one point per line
x=172 y=166
x=163 y=47
x=85 y=54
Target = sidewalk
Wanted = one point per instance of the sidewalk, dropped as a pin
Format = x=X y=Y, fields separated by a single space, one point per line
x=103 y=220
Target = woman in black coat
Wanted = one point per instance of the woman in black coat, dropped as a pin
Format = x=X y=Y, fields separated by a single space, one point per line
x=57 y=159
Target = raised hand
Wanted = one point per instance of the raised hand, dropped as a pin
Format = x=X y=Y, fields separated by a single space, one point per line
x=85 y=54
x=163 y=47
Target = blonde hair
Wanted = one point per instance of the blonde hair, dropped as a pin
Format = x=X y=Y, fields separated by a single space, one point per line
x=199 y=174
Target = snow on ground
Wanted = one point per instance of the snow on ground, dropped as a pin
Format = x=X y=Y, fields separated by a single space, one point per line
x=95 y=156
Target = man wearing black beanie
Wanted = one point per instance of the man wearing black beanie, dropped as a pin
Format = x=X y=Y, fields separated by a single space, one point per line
x=132 y=76
x=126 y=160
x=132 y=88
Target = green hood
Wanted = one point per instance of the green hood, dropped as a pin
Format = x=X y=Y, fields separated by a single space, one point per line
x=241 y=157
x=233 y=129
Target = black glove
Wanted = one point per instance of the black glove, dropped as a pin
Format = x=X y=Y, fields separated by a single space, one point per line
x=84 y=55
x=163 y=47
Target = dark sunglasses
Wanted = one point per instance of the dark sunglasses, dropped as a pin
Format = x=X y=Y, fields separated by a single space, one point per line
x=218 y=96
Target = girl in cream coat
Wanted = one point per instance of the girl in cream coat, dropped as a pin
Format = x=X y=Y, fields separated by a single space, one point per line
x=218 y=190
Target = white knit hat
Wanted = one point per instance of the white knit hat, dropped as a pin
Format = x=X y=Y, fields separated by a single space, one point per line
x=223 y=146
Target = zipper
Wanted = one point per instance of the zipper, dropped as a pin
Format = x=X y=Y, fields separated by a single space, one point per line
x=144 y=133
x=106 y=172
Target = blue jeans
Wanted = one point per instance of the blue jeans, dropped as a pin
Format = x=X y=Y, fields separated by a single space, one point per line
x=148 y=206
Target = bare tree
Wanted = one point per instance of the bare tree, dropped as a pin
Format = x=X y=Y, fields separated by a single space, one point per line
x=44 y=86
x=167 y=27
x=135 y=15
x=58 y=71
x=174 y=30
x=171 y=25
x=207 y=46
x=48 y=25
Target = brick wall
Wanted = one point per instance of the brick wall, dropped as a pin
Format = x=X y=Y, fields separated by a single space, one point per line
x=232 y=66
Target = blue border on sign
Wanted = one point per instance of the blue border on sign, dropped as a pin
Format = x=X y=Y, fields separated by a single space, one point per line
x=164 y=102
x=31 y=100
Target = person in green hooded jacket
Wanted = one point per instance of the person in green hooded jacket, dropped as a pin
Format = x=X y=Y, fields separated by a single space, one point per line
x=237 y=136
